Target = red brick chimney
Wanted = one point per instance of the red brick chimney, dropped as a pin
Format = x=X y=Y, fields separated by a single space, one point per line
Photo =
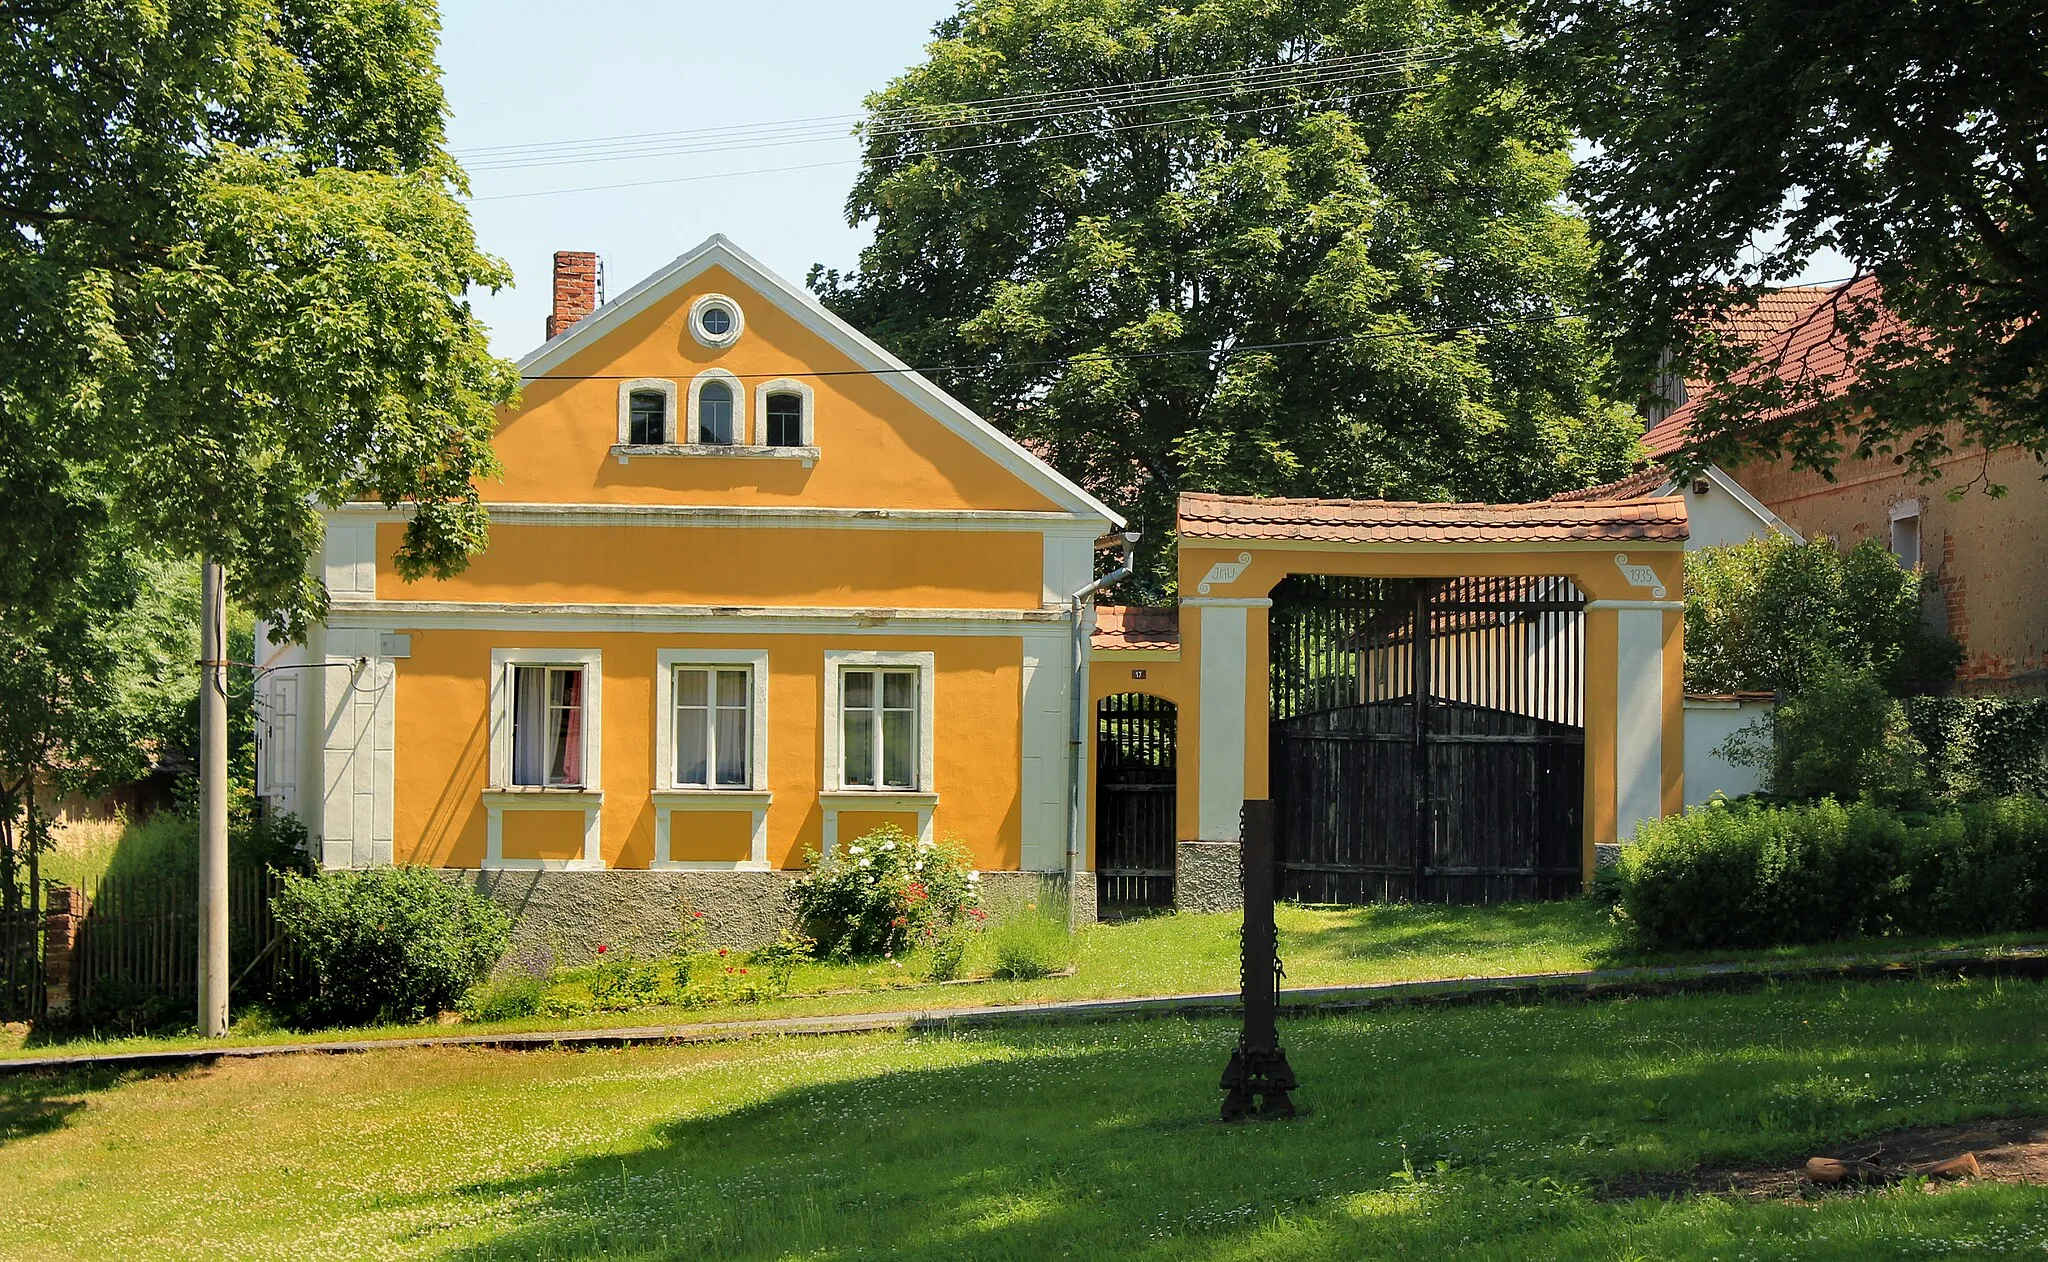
x=579 y=287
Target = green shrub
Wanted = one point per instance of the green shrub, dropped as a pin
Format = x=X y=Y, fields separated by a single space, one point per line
x=1030 y=942
x=882 y=893
x=1843 y=737
x=383 y=944
x=505 y=999
x=1983 y=746
x=1752 y=875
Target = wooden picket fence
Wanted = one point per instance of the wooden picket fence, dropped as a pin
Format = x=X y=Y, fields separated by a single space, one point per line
x=138 y=941
x=21 y=964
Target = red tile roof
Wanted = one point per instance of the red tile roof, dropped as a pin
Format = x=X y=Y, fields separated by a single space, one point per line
x=1385 y=521
x=1129 y=627
x=1641 y=485
x=1793 y=331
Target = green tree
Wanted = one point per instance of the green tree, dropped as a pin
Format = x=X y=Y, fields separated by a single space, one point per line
x=233 y=281
x=1771 y=614
x=1731 y=141
x=1322 y=275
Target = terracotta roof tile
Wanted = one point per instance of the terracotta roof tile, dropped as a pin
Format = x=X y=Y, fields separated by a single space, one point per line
x=1794 y=333
x=1385 y=521
x=1640 y=485
x=1129 y=627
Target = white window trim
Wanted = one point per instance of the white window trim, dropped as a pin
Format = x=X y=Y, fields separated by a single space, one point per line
x=503 y=795
x=666 y=662
x=667 y=802
x=502 y=661
x=785 y=385
x=626 y=390
x=837 y=660
x=739 y=411
x=716 y=341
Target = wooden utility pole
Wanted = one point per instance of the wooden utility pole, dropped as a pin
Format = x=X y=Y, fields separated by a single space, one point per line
x=213 y=800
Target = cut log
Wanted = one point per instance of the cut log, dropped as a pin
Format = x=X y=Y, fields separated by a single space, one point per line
x=1833 y=1170
x=1963 y=1167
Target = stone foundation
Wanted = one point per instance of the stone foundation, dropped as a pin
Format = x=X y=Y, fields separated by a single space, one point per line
x=1606 y=854
x=561 y=917
x=1208 y=876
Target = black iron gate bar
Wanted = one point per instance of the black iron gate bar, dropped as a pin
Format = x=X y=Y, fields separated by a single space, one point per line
x=1433 y=672
x=1135 y=815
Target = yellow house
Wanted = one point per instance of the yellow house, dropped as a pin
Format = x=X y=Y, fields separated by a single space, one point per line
x=753 y=586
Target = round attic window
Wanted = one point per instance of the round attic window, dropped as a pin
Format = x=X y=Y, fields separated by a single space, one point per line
x=715 y=320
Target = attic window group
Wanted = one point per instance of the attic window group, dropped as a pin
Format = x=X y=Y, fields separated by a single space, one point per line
x=714 y=417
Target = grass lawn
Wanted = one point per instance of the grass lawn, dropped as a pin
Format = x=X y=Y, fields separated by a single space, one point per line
x=1074 y=1142
x=1160 y=955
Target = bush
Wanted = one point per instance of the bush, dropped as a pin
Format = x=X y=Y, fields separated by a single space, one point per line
x=1983 y=746
x=505 y=999
x=1751 y=875
x=1770 y=614
x=883 y=892
x=383 y=944
x=1032 y=941
x=1843 y=737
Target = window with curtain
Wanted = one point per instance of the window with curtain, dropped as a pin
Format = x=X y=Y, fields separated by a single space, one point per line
x=714 y=727
x=714 y=413
x=547 y=726
x=647 y=418
x=785 y=420
x=878 y=729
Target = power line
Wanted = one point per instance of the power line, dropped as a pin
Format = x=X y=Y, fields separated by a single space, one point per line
x=777 y=136
x=1018 y=142
x=1220 y=352
x=983 y=111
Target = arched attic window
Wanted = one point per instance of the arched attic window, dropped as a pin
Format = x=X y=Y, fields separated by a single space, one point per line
x=715 y=417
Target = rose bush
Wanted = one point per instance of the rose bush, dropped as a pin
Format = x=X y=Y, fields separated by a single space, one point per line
x=884 y=893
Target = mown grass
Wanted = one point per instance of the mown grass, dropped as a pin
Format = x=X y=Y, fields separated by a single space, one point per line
x=1061 y=1142
x=1161 y=955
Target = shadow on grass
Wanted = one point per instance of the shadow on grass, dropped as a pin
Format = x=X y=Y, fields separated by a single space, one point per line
x=1099 y=1142
x=36 y=1104
x=1379 y=930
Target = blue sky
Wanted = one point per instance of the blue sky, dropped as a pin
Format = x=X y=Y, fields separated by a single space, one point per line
x=524 y=72
x=521 y=72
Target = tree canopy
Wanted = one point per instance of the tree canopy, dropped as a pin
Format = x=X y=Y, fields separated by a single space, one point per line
x=1732 y=141
x=1316 y=259
x=233 y=290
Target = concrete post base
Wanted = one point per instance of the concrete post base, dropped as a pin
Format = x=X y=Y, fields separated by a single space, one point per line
x=1208 y=876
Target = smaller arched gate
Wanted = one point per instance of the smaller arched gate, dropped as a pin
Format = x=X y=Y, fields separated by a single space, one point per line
x=1135 y=822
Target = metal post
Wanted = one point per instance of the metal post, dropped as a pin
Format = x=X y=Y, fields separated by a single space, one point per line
x=213 y=801
x=1258 y=1069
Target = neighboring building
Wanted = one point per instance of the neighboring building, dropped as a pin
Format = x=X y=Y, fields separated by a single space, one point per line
x=753 y=586
x=1984 y=555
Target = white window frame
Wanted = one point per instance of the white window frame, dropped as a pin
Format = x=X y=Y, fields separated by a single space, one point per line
x=739 y=410
x=717 y=341
x=1901 y=512
x=670 y=797
x=667 y=662
x=785 y=385
x=626 y=391
x=840 y=660
x=502 y=795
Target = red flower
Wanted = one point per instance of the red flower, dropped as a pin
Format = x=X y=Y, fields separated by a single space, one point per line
x=724 y=951
x=916 y=892
x=602 y=948
x=743 y=972
x=698 y=914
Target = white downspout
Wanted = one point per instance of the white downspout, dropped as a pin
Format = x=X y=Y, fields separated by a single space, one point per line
x=1077 y=705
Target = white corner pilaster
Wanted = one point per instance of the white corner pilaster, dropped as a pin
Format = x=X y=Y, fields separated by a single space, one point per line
x=1046 y=687
x=1639 y=725
x=1220 y=803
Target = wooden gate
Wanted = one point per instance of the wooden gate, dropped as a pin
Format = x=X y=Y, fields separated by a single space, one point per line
x=1428 y=738
x=1135 y=830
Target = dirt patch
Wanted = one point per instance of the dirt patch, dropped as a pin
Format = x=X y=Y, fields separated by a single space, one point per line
x=2009 y=1150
